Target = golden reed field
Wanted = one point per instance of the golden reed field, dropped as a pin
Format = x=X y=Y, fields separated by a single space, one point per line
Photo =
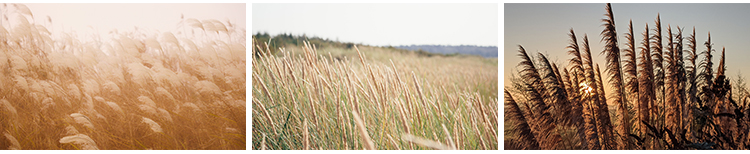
x=183 y=90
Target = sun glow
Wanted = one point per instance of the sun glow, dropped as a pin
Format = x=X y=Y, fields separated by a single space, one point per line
x=585 y=88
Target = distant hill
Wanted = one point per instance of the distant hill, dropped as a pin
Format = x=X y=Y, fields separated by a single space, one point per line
x=284 y=39
x=484 y=51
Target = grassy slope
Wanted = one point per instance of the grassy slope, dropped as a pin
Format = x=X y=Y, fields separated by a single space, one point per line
x=459 y=92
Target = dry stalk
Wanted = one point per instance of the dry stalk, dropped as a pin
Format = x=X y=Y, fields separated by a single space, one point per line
x=265 y=113
x=394 y=142
x=368 y=144
x=425 y=142
x=450 y=139
x=306 y=142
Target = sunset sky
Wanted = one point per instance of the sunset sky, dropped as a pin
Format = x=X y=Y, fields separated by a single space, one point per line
x=544 y=28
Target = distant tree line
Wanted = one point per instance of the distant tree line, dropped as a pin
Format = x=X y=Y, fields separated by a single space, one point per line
x=284 y=39
x=288 y=39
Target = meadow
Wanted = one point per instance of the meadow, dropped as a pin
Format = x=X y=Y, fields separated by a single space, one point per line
x=373 y=98
x=665 y=95
x=140 y=90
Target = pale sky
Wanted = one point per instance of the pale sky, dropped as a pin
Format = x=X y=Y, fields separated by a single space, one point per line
x=153 y=17
x=383 y=24
x=544 y=28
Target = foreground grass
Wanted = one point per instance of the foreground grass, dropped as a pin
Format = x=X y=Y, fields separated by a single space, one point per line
x=372 y=98
x=156 y=92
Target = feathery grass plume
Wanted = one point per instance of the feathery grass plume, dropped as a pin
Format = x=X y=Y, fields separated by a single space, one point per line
x=140 y=73
x=147 y=109
x=21 y=8
x=630 y=68
x=99 y=99
x=163 y=93
x=87 y=103
x=114 y=106
x=83 y=141
x=680 y=80
x=609 y=34
x=605 y=124
x=153 y=125
x=46 y=103
x=576 y=63
x=164 y=114
x=14 y=145
x=555 y=93
x=594 y=99
x=8 y=108
x=561 y=80
x=706 y=76
x=19 y=65
x=657 y=59
x=671 y=109
x=207 y=88
x=646 y=84
x=82 y=119
x=70 y=130
x=590 y=108
x=425 y=142
x=545 y=126
x=577 y=106
x=146 y=101
x=74 y=91
x=195 y=108
x=520 y=126
x=20 y=83
x=90 y=86
x=368 y=144
x=692 y=90
x=111 y=88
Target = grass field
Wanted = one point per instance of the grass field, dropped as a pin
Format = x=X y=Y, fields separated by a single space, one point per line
x=372 y=98
x=137 y=91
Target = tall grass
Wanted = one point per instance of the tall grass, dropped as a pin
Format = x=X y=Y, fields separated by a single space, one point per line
x=69 y=93
x=372 y=102
x=676 y=107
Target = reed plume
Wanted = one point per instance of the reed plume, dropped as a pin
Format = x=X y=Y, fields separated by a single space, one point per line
x=513 y=112
x=645 y=79
x=545 y=126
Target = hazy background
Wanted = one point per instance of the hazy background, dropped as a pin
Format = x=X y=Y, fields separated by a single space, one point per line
x=544 y=28
x=86 y=19
x=383 y=24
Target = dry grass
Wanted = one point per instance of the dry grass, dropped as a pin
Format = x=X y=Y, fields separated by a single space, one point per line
x=359 y=104
x=677 y=106
x=141 y=90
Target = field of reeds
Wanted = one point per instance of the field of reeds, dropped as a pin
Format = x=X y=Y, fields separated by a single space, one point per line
x=138 y=91
x=663 y=99
x=371 y=98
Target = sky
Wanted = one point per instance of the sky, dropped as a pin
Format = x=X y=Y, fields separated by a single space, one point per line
x=544 y=28
x=383 y=24
x=85 y=18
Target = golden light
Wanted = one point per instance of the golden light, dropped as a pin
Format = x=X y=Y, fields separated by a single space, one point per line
x=585 y=88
